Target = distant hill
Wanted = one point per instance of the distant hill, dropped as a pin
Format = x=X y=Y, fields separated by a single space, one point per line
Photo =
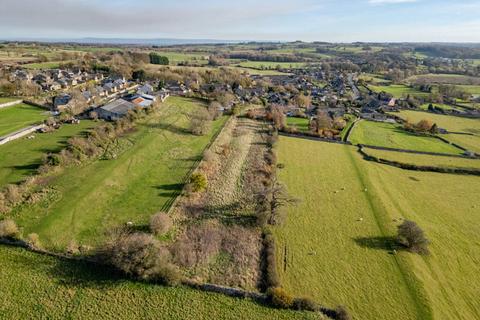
x=129 y=41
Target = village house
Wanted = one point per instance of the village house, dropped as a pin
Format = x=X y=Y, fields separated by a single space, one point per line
x=21 y=75
x=145 y=89
x=176 y=87
x=60 y=102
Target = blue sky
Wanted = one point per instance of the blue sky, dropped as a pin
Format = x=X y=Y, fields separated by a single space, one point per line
x=286 y=20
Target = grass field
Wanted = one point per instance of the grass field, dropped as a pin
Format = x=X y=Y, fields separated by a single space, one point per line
x=153 y=68
x=35 y=287
x=469 y=104
x=45 y=65
x=338 y=259
x=438 y=105
x=473 y=90
x=300 y=123
x=456 y=79
x=6 y=100
x=260 y=72
x=271 y=65
x=19 y=116
x=141 y=181
x=452 y=124
x=20 y=158
x=373 y=78
x=295 y=50
x=475 y=62
x=393 y=136
x=425 y=160
x=398 y=90
x=177 y=57
x=356 y=49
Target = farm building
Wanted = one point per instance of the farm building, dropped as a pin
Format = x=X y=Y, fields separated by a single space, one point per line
x=115 y=110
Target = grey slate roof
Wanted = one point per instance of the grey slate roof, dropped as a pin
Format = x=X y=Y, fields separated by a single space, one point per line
x=119 y=106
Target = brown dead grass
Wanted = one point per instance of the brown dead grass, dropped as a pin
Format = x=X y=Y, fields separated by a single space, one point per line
x=217 y=239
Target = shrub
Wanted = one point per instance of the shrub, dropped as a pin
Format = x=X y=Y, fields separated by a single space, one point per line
x=251 y=114
x=270 y=158
x=290 y=129
x=236 y=110
x=280 y=298
x=341 y=313
x=160 y=223
x=93 y=115
x=8 y=229
x=197 y=245
x=33 y=240
x=200 y=122
x=412 y=236
x=3 y=203
x=140 y=256
x=199 y=182
x=339 y=123
x=272 y=139
x=214 y=110
x=73 y=247
x=13 y=194
x=208 y=156
x=52 y=159
x=306 y=304
x=272 y=278
x=424 y=125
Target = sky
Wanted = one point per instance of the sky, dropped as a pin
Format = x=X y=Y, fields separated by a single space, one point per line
x=272 y=20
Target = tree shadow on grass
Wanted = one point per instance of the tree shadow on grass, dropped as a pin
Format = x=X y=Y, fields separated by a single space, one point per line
x=140 y=228
x=27 y=167
x=379 y=243
x=84 y=274
x=190 y=159
x=88 y=275
x=169 y=190
x=226 y=214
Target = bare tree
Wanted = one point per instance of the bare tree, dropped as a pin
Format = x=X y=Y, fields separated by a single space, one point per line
x=303 y=101
x=412 y=236
x=200 y=122
x=271 y=200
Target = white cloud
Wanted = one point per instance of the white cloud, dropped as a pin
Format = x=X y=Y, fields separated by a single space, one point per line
x=189 y=18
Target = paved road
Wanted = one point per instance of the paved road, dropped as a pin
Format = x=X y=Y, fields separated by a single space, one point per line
x=356 y=92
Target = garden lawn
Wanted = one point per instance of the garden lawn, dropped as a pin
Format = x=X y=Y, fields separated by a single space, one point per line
x=336 y=257
x=300 y=123
x=20 y=116
x=20 y=158
x=145 y=179
x=452 y=124
x=41 y=287
x=393 y=136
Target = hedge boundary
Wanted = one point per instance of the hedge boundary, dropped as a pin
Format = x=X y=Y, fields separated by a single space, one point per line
x=412 y=167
